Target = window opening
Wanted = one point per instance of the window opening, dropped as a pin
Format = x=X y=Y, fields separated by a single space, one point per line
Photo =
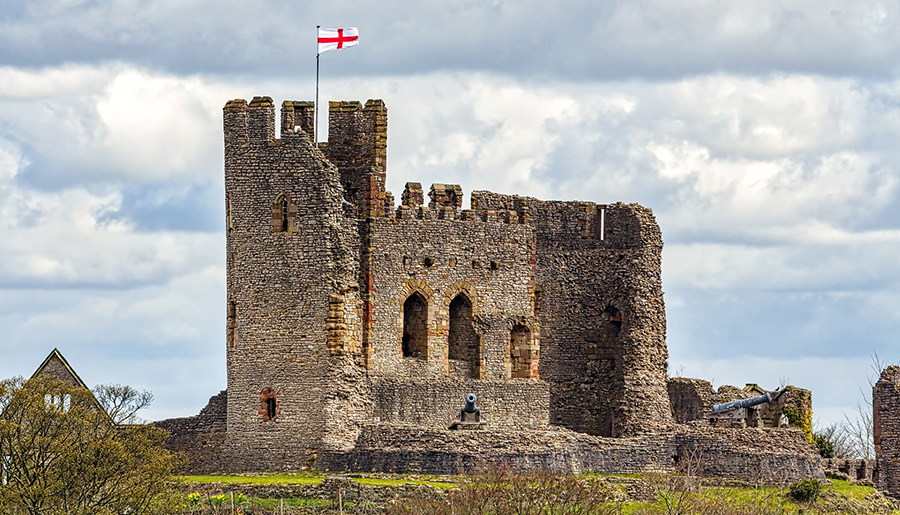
x=269 y=408
x=415 y=327
x=284 y=214
x=232 y=324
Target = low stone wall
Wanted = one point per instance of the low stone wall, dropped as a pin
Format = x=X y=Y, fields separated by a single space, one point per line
x=854 y=470
x=766 y=456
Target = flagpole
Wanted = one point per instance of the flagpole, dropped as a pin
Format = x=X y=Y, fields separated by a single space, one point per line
x=316 y=105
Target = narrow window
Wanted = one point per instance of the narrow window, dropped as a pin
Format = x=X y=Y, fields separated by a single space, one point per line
x=521 y=353
x=462 y=341
x=284 y=214
x=228 y=223
x=232 y=324
x=415 y=327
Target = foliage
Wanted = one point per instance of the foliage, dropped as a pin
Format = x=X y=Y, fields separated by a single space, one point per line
x=63 y=454
x=502 y=491
x=832 y=442
x=805 y=490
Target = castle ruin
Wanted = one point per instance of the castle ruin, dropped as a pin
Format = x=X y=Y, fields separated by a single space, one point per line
x=356 y=327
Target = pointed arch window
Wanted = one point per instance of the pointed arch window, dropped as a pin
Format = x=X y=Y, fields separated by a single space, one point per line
x=415 y=327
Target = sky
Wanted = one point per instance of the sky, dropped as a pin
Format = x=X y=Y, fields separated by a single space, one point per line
x=762 y=133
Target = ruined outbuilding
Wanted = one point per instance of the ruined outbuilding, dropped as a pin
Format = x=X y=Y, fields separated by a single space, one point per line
x=372 y=321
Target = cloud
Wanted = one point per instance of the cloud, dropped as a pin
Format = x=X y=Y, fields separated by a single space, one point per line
x=650 y=39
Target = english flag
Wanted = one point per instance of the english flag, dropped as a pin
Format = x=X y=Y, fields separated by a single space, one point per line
x=332 y=39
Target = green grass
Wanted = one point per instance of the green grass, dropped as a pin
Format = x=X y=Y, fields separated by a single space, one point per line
x=737 y=496
x=273 y=479
x=295 y=479
x=850 y=490
x=370 y=481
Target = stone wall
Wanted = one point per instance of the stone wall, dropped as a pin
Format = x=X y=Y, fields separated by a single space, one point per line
x=433 y=403
x=886 y=422
x=851 y=469
x=601 y=312
x=439 y=256
x=764 y=456
x=199 y=437
x=692 y=398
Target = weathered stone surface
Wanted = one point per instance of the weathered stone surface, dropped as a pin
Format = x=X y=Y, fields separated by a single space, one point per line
x=886 y=422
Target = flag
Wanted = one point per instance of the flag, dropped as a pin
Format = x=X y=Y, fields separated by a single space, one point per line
x=331 y=39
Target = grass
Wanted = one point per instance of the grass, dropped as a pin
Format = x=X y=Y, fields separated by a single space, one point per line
x=267 y=479
x=774 y=500
x=309 y=479
x=371 y=481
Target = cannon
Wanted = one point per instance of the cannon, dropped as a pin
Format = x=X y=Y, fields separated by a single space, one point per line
x=736 y=411
x=469 y=415
x=741 y=403
x=470 y=406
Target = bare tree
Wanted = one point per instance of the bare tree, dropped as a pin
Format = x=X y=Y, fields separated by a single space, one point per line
x=122 y=402
x=858 y=427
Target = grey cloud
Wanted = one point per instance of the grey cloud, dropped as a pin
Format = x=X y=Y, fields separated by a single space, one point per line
x=580 y=40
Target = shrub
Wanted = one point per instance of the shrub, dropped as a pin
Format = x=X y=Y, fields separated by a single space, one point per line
x=805 y=490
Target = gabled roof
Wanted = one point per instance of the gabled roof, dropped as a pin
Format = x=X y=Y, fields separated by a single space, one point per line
x=57 y=366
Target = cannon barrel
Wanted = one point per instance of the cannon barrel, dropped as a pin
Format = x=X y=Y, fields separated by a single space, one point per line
x=470 y=403
x=741 y=403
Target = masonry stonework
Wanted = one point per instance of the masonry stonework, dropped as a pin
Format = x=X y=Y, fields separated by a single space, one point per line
x=368 y=322
x=886 y=426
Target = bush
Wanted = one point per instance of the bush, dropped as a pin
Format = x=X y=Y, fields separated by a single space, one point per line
x=805 y=490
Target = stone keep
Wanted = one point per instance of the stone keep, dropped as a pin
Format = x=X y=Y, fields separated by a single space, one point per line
x=358 y=312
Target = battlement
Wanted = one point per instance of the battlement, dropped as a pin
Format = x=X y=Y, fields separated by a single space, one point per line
x=352 y=125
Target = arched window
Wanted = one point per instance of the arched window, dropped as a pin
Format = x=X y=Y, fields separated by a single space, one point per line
x=284 y=214
x=462 y=341
x=415 y=327
x=521 y=352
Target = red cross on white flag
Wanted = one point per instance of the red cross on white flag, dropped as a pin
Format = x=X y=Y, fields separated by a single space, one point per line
x=332 y=39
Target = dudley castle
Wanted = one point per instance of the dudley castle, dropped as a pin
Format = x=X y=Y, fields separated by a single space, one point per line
x=357 y=322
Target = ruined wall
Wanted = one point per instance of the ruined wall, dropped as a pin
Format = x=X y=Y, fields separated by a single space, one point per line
x=598 y=299
x=449 y=289
x=199 y=437
x=292 y=259
x=691 y=398
x=790 y=406
x=886 y=422
x=762 y=456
